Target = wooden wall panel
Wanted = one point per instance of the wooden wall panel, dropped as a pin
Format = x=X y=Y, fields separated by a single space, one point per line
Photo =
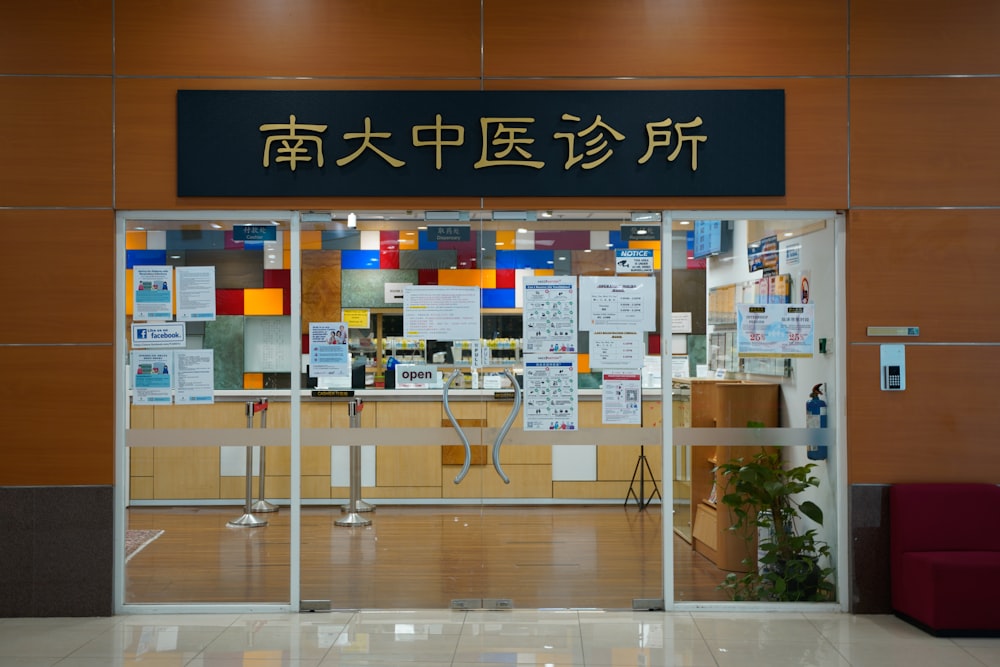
x=297 y=38
x=942 y=428
x=932 y=269
x=56 y=134
x=596 y=38
x=146 y=145
x=57 y=277
x=925 y=142
x=905 y=37
x=60 y=408
x=815 y=140
x=57 y=37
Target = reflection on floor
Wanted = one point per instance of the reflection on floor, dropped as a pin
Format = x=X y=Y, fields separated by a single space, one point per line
x=485 y=639
x=418 y=557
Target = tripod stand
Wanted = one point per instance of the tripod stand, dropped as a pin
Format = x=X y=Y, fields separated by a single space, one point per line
x=641 y=467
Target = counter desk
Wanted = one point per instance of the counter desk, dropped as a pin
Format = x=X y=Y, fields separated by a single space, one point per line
x=411 y=453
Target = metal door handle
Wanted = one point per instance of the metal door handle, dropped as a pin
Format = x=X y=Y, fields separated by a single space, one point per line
x=454 y=422
x=506 y=425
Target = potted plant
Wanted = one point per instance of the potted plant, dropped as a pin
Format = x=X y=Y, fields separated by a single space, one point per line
x=791 y=565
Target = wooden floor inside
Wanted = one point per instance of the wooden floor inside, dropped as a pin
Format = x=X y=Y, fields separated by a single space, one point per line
x=418 y=557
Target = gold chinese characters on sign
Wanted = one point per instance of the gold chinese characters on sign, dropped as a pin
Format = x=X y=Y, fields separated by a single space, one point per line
x=505 y=141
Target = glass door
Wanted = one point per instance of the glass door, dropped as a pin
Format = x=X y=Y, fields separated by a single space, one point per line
x=205 y=371
x=500 y=454
x=756 y=467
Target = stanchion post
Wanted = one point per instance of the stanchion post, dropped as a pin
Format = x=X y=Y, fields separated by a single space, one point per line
x=354 y=408
x=352 y=518
x=262 y=505
x=248 y=520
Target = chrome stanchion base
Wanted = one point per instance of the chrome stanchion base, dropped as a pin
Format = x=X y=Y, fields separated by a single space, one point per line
x=264 y=506
x=247 y=521
x=362 y=507
x=353 y=519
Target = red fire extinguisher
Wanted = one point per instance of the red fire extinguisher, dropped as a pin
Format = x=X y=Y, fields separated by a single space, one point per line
x=816 y=418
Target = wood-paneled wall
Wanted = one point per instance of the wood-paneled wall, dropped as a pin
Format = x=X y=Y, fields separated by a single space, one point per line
x=87 y=125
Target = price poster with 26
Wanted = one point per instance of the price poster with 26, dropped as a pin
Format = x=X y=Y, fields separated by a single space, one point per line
x=775 y=330
x=152 y=288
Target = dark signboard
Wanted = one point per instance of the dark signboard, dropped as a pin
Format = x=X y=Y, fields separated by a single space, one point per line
x=487 y=143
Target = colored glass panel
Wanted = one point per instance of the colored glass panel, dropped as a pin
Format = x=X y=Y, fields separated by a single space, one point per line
x=228 y=302
x=265 y=301
x=135 y=240
x=359 y=259
x=498 y=298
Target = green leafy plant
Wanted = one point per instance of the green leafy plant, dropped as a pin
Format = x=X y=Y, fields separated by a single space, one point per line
x=791 y=565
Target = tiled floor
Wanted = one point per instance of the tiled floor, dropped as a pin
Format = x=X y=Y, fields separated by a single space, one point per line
x=484 y=639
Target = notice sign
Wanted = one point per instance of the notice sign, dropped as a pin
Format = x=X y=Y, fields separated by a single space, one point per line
x=617 y=304
x=441 y=312
x=629 y=260
x=775 y=330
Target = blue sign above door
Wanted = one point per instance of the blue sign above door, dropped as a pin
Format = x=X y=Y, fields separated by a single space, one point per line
x=480 y=143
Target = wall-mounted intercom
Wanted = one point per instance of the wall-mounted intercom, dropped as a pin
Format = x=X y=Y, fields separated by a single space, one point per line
x=892 y=367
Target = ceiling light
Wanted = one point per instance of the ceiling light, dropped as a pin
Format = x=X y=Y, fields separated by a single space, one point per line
x=352 y=220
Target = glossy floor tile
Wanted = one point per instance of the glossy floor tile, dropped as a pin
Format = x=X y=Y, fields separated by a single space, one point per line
x=516 y=638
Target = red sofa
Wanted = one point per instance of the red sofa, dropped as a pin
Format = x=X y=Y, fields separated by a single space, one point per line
x=945 y=557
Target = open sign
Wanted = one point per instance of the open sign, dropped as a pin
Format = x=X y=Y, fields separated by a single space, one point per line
x=416 y=377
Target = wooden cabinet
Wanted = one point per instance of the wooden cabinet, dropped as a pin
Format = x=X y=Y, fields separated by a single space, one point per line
x=724 y=404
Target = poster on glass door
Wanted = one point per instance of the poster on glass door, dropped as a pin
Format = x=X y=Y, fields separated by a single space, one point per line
x=621 y=398
x=195 y=293
x=550 y=315
x=152 y=380
x=617 y=304
x=550 y=392
x=194 y=377
x=152 y=288
x=328 y=350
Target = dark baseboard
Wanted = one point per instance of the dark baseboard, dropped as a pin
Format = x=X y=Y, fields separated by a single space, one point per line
x=57 y=551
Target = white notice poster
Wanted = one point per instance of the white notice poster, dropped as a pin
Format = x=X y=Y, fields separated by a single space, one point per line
x=617 y=304
x=616 y=349
x=194 y=376
x=550 y=392
x=195 y=293
x=441 y=312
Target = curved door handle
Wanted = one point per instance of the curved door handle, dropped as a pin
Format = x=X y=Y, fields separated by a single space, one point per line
x=454 y=422
x=506 y=425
